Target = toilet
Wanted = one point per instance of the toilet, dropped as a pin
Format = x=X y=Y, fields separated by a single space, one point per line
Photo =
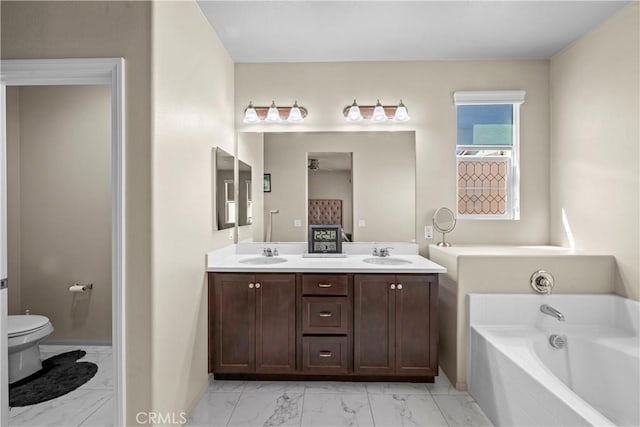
x=25 y=334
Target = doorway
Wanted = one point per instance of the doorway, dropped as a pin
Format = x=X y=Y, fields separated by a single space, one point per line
x=108 y=72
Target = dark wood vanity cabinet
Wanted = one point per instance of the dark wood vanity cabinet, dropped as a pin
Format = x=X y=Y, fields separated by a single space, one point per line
x=253 y=323
x=338 y=326
x=326 y=323
x=395 y=324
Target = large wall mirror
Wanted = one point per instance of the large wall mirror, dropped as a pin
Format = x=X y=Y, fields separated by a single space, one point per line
x=371 y=175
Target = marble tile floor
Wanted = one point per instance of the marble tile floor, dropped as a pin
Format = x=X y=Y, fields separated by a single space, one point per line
x=333 y=404
x=90 y=405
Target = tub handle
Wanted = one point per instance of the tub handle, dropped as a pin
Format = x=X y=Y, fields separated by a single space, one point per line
x=542 y=282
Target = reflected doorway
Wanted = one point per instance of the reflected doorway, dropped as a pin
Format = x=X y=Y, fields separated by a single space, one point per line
x=330 y=191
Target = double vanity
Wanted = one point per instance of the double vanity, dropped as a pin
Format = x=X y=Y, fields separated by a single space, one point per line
x=356 y=317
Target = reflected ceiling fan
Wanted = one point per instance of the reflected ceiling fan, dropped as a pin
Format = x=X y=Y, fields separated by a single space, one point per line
x=329 y=162
x=313 y=164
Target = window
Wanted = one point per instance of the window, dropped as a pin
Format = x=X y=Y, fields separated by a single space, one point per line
x=249 y=202
x=487 y=154
x=229 y=203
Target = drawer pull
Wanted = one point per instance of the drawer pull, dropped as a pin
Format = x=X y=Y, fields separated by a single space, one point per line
x=325 y=314
x=325 y=353
x=325 y=285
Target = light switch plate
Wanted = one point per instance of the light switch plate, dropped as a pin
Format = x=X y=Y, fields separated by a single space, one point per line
x=428 y=232
x=297 y=223
x=361 y=223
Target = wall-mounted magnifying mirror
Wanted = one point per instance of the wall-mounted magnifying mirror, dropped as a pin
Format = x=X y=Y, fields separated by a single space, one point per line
x=245 y=208
x=444 y=221
x=225 y=194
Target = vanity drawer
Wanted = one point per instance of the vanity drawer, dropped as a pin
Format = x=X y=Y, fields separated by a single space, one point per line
x=325 y=315
x=325 y=284
x=325 y=355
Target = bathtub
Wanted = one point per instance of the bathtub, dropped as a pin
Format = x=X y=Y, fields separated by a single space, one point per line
x=519 y=379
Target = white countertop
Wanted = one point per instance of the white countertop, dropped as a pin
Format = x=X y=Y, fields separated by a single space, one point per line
x=229 y=260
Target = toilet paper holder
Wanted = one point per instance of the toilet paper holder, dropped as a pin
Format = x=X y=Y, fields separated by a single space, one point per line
x=80 y=287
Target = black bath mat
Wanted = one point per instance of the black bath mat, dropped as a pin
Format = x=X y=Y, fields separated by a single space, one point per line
x=60 y=375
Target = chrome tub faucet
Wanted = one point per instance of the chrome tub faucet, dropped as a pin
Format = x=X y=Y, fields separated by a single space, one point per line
x=550 y=311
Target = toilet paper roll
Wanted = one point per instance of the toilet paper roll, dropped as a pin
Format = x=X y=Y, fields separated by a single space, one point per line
x=77 y=288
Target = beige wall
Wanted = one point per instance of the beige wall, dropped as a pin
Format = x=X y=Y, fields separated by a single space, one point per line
x=192 y=94
x=64 y=195
x=383 y=182
x=107 y=29
x=333 y=185
x=427 y=89
x=595 y=145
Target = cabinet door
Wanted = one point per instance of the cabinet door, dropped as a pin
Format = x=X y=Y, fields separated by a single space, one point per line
x=416 y=328
x=275 y=323
x=234 y=324
x=374 y=324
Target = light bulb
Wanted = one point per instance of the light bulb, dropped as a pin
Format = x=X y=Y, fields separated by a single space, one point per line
x=402 y=114
x=295 y=116
x=250 y=114
x=273 y=115
x=354 y=114
x=378 y=113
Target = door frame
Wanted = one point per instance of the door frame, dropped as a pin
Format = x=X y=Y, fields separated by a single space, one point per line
x=77 y=71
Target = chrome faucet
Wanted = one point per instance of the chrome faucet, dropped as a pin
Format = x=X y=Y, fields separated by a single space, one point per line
x=382 y=252
x=385 y=252
x=548 y=310
x=267 y=252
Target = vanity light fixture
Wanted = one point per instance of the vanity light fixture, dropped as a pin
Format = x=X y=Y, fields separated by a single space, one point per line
x=376 y=113
x=250 y=114
x=353 y=114
x=402 y=114
x=274 y=114
x=295 y=115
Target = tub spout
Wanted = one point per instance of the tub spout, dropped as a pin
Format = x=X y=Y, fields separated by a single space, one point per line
x=547 y=309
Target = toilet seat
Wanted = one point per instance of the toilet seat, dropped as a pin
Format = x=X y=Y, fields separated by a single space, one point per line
x=25 y=324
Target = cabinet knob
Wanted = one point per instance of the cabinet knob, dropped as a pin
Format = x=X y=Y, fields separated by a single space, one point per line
x=393 y=286
x=399 y=285
x=250 y=285
x=257 y=285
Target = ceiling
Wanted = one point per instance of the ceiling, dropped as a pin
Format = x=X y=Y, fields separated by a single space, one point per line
x=311 y=31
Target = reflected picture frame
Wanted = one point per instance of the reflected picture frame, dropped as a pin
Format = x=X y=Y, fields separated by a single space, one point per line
x=266 y=186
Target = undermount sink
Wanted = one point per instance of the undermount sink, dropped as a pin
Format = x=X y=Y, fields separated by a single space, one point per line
x=262 y=260
x=387 y=261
